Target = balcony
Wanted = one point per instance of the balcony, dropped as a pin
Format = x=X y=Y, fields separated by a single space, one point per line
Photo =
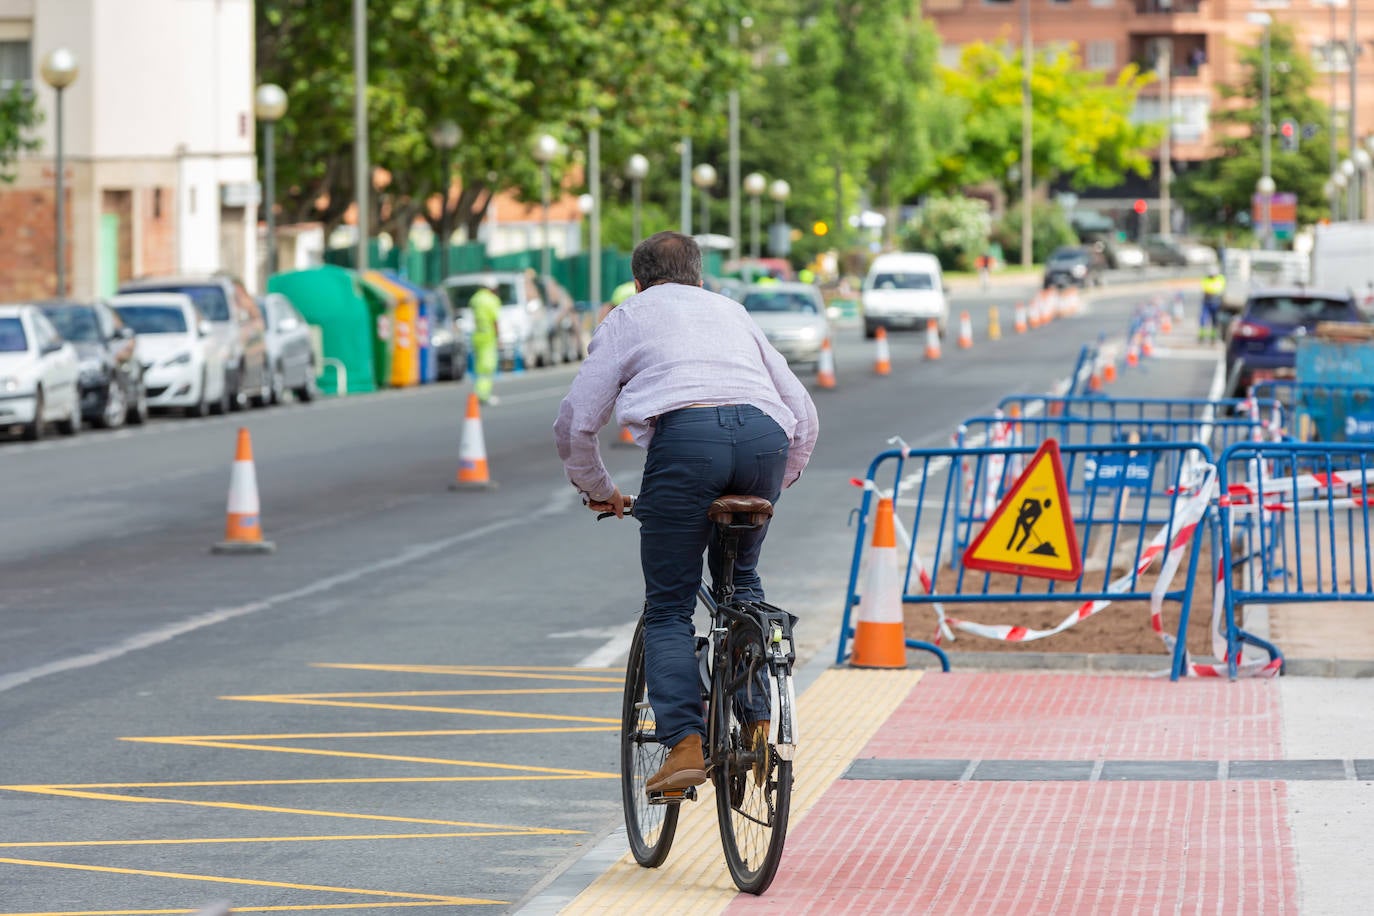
x=1167 y=7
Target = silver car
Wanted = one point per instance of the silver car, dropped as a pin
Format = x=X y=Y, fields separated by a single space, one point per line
x=290 y=352
x=791 y=316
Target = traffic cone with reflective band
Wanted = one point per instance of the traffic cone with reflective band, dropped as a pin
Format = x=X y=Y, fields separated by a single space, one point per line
x=1166 y=324
x=879 y=631
x=932 y=339
x=882 y=362
x=243 y=528
x=994 y=324
x=825 y=366
x=1109 y=371
x=1133 y=351
x=472 y=452
x=965 y=331
x=1020 y=326
x=1036 y=307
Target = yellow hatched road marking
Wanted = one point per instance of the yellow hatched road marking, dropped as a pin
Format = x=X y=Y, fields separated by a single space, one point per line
x=542 y=674
x=295 y=700
x=512 y=692
x=416 y=733
x=309 y=908
x=210 y=783
x=210 y=841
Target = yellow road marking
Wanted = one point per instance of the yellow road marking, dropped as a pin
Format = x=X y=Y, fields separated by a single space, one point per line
x=274 y=809
x=209 y=841
x=209 y=783
x=513 y=692
x=309 y=908
x=292 y=700
x=417 y=733
x=539 y=674
x=250 y=882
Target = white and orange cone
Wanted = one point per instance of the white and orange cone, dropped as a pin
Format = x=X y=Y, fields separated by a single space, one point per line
x=879 y=631
x=1037 y=309
x=882 y=360
x=932 y=339
x=243 y=527
x=473 y=473
x=1020 y=325
x=965 y=331
x=825 y=366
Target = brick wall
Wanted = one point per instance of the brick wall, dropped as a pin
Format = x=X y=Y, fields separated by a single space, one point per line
x=27 y=244
x=157 y=247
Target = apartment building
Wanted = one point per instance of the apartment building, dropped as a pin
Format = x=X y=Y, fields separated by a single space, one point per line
x=159 y=133
x=1202 y=40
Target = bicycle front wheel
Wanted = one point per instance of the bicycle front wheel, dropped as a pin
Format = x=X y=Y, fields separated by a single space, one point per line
x=650 y=828
x=753 y=793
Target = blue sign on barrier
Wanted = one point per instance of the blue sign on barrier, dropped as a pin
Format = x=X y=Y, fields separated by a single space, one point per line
x=1118 y=471
x=1359 y=427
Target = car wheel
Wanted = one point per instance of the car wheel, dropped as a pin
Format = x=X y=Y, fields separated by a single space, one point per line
x=276 y=386
x=237 y=399
x=870 y=329
x=309 y=391
x=116 y=406
x=34 y=431
x=202 y=406
x=138 y=410
x=459 y=367
x=225 y=402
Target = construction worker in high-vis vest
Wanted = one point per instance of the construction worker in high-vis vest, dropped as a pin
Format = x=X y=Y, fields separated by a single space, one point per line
x=486 y=347
x=1213 y=288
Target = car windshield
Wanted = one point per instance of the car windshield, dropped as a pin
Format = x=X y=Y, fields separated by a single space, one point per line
x=1071 y=256
x=460 y=294
x=74 y=322
x=209 y=299
x=780 y=302
x=12 y=339
x=904 y=281
x=1299 y=310
x=153 y=319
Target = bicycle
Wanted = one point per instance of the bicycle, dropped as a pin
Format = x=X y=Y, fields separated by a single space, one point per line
x=748 y=647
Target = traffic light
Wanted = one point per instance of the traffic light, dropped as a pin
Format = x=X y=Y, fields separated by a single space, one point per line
x=820 y=228
x=1140 y=206
x=1288 y=135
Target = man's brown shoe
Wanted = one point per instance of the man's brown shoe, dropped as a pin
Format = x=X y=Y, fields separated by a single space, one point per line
x=685 y=766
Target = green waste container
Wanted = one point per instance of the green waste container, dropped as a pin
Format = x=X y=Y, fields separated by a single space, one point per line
x=332 y=300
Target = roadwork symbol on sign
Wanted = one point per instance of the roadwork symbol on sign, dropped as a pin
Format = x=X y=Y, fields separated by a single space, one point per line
x=1031 y=531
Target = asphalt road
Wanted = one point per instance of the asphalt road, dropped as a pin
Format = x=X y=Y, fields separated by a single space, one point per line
x=411 y=704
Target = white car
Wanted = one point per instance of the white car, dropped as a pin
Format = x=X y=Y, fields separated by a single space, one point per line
x=904 y=290
x=183 y=359
x=38 y=374
x=290 y=353
x=792 y=317
x=527 y=329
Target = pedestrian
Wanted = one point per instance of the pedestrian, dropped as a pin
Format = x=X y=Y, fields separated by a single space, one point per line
x=1213 y=288
x=692 y=377
x=486 y=338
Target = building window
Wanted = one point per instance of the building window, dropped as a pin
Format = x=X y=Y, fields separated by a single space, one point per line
x=1330 y=57
x=1000 y=2
x=16 y=64
x=1101 y=55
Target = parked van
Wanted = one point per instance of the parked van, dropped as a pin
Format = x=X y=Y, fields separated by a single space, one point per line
x=903 y=290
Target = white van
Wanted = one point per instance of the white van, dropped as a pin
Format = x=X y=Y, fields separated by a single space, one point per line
x=903 y=290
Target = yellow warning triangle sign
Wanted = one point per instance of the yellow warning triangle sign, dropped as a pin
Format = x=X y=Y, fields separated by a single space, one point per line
x=1031 y=532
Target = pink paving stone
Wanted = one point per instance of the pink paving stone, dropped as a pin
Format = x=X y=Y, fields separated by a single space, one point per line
x=1058 y=716
x=1097 y=849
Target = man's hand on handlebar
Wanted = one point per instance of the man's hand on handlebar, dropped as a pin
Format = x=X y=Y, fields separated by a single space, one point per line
x=615 y=505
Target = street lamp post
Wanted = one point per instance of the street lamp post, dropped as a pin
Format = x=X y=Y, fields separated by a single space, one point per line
x=637 y=169
x=779 y=190
x=445 y=136
x=545 y=148
x=1362 y=164
x=362 y=168
x=1265 y=186
x=704 y=177
x=269 y=104
x=1352 y=182
x=59 y=71
x=594 y=182
x=1027 y=63
x=1338 y=182
x=754 y=185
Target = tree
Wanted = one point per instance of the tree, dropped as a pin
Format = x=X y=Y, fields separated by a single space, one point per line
x=1081 y=123
x=19 y=114
x=1219 y=192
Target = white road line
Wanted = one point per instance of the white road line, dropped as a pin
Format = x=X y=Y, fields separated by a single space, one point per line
x=614 y=649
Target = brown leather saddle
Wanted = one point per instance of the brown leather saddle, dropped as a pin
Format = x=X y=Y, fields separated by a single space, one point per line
x=740 y=511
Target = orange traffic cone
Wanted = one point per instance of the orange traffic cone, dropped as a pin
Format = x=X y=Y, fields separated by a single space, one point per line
x=825 y=366
x=1147 y=346
x=965 y=331
x=1109 y=371
x=882 y=362
x=1166 y=324
x=1020 y=326
x=243 y=529
x=879 y=633
x=994 y=324
x=932 y=339
x=1133 y=351
x=472 y=452
x=625 y=437
x=1037 y=309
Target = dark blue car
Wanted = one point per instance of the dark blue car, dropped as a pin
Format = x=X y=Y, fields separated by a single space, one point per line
x=1263 y=342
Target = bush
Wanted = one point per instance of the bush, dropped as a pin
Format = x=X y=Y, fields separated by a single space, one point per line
x=954 y=229
x=1049 y=229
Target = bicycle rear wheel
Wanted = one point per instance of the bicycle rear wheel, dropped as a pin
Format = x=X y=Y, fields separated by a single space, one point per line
x=753 y=790
x=650 y=828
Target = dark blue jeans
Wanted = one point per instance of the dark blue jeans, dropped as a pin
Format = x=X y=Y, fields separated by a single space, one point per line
x=697 y=454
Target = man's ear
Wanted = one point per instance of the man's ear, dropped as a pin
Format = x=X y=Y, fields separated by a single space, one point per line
x=639 y=287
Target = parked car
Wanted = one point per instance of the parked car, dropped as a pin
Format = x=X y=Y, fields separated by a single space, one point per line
x=290 y=352
x=183 y=363
x=792 y=317
x=1075 y=265
x=903 y=290
x=1165 y=252
x=1263 y=342
x=447 y=340
x=565 y=335
x=38 y=374
x=111 y=379
x=238 y=327
x=526 y=326
x=1126 y=256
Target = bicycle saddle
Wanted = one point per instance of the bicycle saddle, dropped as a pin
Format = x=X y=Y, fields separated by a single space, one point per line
x=725 y=510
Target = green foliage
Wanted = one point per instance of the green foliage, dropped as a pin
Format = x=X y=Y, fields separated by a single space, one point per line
x=1081 y=125
x=1049 y=229
x=954 y=229
x=19 y=114
x=1217 y=192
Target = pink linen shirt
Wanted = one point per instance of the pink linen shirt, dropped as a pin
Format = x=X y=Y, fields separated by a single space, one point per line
x=669 y=347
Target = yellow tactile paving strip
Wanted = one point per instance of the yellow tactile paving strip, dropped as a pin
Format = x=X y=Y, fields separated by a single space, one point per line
x=838 y=715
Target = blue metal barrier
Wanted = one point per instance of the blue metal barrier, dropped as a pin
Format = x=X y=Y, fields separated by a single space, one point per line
x=1135 y=408
x=1114 y=518
x=1326 y=412
x=1295 y=525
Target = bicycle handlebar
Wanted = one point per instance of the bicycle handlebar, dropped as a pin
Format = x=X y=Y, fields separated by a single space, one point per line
x=629 y=508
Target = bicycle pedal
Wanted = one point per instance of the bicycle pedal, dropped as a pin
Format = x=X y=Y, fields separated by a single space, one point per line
x=673 y=796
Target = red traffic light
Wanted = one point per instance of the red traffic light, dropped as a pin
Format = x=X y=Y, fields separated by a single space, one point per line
x=1288 y=129
x=1140 y=206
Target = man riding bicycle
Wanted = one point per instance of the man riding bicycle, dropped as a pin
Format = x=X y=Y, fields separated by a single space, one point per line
x=695 y=381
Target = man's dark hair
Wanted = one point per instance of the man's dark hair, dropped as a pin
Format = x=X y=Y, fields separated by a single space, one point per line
x=667 y=257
